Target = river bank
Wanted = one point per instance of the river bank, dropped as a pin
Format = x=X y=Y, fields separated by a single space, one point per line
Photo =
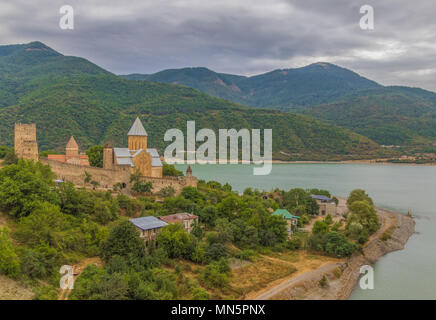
x=342 y=277
x=372 y=162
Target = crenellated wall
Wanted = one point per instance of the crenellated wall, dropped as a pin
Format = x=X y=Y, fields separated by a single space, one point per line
x=107 y=178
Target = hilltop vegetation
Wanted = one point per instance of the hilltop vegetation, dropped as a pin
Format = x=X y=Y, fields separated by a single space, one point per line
x=68 y=96
x=279 y=89
x=389 y=116
x=51 y=225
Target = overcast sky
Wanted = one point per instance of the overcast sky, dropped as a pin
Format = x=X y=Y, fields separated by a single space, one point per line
x=236 y=36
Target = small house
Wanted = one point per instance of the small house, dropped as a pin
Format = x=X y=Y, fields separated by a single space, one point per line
x=291 y=220
x=187 y=220
x=326 y=205
x=148 y=227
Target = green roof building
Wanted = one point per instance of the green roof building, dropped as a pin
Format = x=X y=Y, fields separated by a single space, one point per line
x=285 y=214
x=291 y=220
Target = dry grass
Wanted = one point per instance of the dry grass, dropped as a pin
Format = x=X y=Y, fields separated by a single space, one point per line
x=259 y=274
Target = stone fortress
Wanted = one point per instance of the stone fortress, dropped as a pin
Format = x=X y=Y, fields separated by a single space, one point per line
x=118 y=163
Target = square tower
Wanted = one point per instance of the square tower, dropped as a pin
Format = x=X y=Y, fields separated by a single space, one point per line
x=25 y=145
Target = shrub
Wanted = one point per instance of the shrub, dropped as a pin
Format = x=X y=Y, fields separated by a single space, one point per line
x=9 y=262
x=123 y=240
x=198 y=293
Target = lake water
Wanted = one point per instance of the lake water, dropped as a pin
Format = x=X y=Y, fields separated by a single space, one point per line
x=406 y=274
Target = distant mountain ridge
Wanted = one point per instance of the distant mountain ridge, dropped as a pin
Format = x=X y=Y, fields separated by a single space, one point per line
x=389 y=115
x=280 y=89
x=67 y=96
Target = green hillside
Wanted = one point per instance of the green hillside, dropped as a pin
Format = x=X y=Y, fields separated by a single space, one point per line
x=314 y=84
x=67 y=95
x=390 y=115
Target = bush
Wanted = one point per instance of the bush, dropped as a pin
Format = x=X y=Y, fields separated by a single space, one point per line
x=198 y=293
x=123 y=240
x=323 y=282
x=337 y=245
x=23 y=186
x=168 y=170
x=9 y=262
x=216 y=251
x=33 y=264
x=176 y=241
x=216 y=274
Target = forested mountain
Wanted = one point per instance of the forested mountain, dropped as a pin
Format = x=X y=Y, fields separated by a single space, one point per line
x=280 y=89
x=388 y=115
x=71 y=96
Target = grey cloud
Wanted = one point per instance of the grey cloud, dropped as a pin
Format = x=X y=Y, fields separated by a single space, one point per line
x=238 y=36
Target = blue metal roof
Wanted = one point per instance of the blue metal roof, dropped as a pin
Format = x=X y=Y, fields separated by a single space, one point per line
x=147 y=223
x=320 y=197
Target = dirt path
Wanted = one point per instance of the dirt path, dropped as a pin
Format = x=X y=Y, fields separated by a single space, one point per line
x=77 y=270
x=298 y=277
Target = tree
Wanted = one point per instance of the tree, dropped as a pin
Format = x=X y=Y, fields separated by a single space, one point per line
x=123 y=240
x=95 y=156
x=44 y=225
x=328 y=219
x=9 y=262
x=23 y=186
x=365 y=214
x=337 y=245
x=168 y=170
x=208 y=215
x=141 y=187
x=358 y=195
x=176 y=241
x=192 y=194
x=224 y=229
x=320 y=227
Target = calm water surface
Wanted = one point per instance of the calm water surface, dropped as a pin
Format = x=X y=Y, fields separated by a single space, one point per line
x=406 y=274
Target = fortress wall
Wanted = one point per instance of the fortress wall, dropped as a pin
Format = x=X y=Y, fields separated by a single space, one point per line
x=75 y=173
x=108 y=177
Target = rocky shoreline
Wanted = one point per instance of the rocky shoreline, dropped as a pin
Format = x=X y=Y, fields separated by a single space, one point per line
x=342 y=278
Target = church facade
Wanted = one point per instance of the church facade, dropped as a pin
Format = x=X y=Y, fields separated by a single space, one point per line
x=137 y=155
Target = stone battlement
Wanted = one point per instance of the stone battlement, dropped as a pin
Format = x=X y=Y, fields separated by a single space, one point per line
x=107 y=178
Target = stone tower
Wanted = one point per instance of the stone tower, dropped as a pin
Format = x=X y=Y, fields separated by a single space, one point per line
x=72 y=148
x=137 y=136
x=108 y=156
x=25 y=145
x=188 y=172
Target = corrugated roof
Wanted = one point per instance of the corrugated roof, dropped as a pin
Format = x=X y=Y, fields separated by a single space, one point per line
x=285 y=214
x=147 y=223
x=155 y=162
x=153 y=152
x=178 y=217
x=122 y=152
x=125 y=161
x=137 y=129
x=320 y=197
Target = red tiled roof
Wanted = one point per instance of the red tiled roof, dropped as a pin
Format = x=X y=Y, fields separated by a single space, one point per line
x=178 y=217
